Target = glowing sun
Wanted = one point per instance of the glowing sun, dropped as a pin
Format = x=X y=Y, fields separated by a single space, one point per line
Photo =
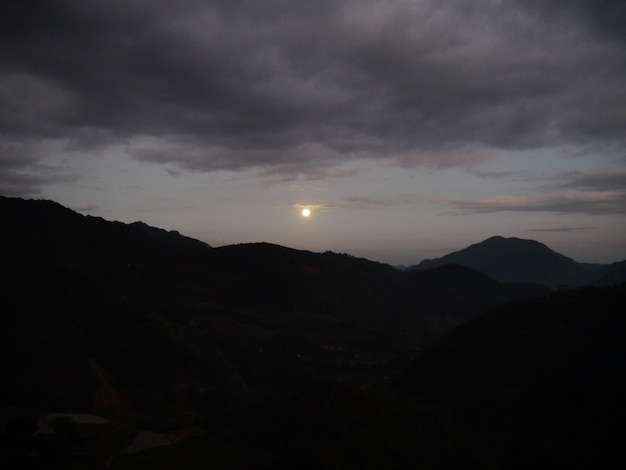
x=306 y=212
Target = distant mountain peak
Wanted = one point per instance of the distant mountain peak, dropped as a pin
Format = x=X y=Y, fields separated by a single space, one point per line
x=511 y=241
x=515 y=260
x=495 y=238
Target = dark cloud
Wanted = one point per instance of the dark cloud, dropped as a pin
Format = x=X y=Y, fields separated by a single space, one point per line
x=607 y=179
x=366 y=202
x=315 y=206
x=594 y=192
x=21 y=174
x=18 y=184
x=361 y=202
x=562 y=202
x=293 y=88
x=560 y=229
x=604 y=18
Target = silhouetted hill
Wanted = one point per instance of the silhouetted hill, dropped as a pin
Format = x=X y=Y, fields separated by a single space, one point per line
x=517 y=260
x=270 y=357
x=123 y=301
x=539 y=383
x=609 y=274
x=463 y=289
x=48 y=231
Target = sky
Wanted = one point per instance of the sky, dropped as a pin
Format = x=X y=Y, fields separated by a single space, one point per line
x=408 y=128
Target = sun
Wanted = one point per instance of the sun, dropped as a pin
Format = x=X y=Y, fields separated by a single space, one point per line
x=306 y=212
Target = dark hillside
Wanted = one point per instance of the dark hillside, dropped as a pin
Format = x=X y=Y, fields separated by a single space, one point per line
x=541 y=383
x=516 y=260
x=465 y=291
x=48 y=232
x=152 y=310
x=609 y=274
x=267 y=353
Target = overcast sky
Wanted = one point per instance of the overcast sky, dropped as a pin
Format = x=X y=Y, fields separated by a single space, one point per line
x=409 y=128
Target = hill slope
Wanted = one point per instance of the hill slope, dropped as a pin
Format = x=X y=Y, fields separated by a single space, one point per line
x=517 y=260
x=48 y=231
x=538 y=381
x=282 y=358
x=155 y=313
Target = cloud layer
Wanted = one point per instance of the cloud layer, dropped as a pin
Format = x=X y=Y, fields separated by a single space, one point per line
x=294 y=88
x=597 y=192
x=589 y=202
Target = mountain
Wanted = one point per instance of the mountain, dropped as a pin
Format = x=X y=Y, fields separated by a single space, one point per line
x=47 y=230
x=123 y=301
x=257 y=350
x=537 y=381
x=518 y=260
x=262 y=356
x=613 y=273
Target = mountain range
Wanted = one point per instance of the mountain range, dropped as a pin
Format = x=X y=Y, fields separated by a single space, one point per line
x=519 y=260
x=72 y=282
x=264 y=356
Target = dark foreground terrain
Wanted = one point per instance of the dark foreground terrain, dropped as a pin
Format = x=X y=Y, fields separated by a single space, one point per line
x=259 y=356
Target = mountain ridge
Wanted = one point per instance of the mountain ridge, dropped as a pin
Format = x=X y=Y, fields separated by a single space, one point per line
x=521 y=260
x=68 y=234
x=286 y=358
x=551 y=368
x=152 y=291
x=39 y=227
